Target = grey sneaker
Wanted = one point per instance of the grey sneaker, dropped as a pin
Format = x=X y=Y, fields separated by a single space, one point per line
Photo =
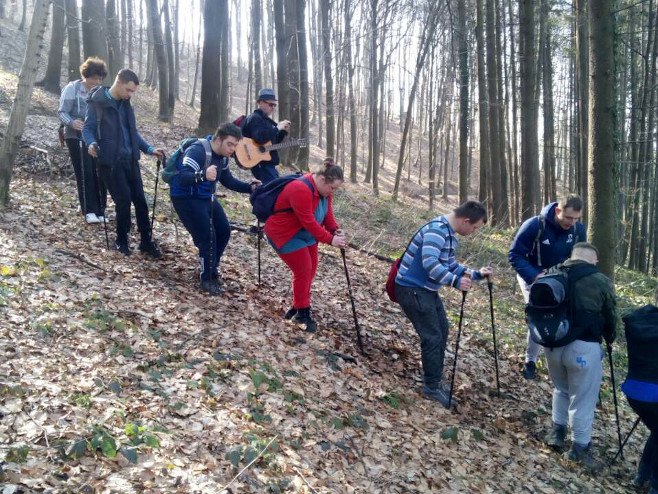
x=555 y=438
x=529 y=370
x=440 y=394
x=584 y=456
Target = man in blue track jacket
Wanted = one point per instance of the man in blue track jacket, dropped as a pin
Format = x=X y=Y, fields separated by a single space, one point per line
x=542 y=242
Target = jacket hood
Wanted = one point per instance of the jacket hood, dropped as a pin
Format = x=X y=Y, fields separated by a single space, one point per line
x=548 y=212
x=99 y=95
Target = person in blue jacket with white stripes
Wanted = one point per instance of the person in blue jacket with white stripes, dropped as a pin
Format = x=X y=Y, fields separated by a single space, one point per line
x=193 y=196
x=428 y=264
x=542 y=242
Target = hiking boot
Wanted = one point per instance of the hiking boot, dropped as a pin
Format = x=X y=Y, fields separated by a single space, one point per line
x=584 y=456
x=555 y=438
x=122 y=247
x=149 y=247
x=91 y=218
x=529 y=370
x=290 y=313
x=441 y=394
x=303 y=316
x=211 y=287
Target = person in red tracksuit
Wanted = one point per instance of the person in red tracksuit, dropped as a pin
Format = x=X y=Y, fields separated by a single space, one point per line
x=303 y=216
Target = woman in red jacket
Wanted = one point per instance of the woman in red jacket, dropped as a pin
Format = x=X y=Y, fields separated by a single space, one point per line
x=304 y=217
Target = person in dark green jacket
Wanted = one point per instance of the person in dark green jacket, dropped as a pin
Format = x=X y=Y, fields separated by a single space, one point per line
x=576 y=369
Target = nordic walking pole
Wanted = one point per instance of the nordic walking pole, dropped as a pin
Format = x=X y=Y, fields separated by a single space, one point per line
x=155 y=193
x=454 y=363
x=614 y=395
x=211 y=229
x=82 y=172
x=349 y=290
x=94 y=161
x=637 y=421
x=493 y=330
x=260 y=237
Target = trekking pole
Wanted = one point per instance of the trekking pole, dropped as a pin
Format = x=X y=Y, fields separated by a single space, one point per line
x=155 y=193
x=349 y=290
x=95 y=165
x=82 y=173
x=211 y=228
x=637 y=421
x=454 y=363
x=260 y=237
x=614 y=394
x=493 y=330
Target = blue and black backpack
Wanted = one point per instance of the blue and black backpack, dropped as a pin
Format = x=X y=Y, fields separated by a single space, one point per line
x=264 y=197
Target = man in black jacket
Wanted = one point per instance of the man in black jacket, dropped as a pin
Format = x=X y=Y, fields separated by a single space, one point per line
x=260 y=127
x=110 y=133
x=576 y=368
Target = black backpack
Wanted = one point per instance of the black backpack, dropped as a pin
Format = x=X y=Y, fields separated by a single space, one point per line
x=549 y=312
x=264 y=197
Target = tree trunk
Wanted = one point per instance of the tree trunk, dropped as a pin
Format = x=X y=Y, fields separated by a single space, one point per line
x=303 y=153
x=73 y=34
x=483 y=107
x=21 y=104
x=350 y=87
x=172 y=74
x=425 y=42
x=177 y=50
x=224 y=63
x=53 y=75
x=325 y=13
x=462 y=49
x=256 y=16
x=582 y=84
x=21 y=26
x=550 y=190
x=210 y=70
x=115 y=57
x=94 y=29
x=196 y=67
x=529 y=138
x=601 y=132
x=281 y=58
x=161 y=57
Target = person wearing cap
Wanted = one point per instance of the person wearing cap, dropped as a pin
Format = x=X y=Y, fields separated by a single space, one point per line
x=260 y=127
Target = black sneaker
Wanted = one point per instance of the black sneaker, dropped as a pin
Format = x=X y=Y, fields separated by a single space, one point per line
x=303 y=316
x=122 y=247
x=440 y=394
x=290 y=313
x=151 y=249
x=555 y=438
x=584 y=456
x=211 y=287
x=529 y=370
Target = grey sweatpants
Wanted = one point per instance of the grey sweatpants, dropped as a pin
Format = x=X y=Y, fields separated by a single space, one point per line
x=533 y=349
x=576 y=372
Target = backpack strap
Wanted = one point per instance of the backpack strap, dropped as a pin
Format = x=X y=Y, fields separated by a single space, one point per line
x=99 y=116
x=417 y=232
x=208 y=149
x=536 y=246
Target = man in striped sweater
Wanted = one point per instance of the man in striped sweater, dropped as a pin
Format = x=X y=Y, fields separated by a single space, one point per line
x=428 y=264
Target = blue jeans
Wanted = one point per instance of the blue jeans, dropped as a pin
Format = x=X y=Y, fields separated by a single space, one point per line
x=195 y=216
x=265 y=173
x=425 y=311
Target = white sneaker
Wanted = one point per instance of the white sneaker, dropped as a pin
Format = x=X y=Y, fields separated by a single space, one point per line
x=92 y=218
x=102 y=219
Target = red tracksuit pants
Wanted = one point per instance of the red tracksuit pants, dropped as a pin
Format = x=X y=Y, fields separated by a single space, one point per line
x=303 y=263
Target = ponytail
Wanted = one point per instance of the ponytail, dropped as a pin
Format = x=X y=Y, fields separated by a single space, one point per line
x=330 y=171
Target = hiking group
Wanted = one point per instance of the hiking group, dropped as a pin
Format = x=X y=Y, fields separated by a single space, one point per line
x=570 y=305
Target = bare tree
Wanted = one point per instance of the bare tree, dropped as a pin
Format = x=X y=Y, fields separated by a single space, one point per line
x=325 y=14
x=164 y=113
x=94 y=29
x=73 y=36
x=21 y=104
x=53 y=76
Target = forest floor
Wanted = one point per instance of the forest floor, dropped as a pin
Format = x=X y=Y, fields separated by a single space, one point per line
x=118 y=376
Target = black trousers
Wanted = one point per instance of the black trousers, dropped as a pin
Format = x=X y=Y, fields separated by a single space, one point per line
x=92 y=192
x=124 y=180
x=648 y=413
